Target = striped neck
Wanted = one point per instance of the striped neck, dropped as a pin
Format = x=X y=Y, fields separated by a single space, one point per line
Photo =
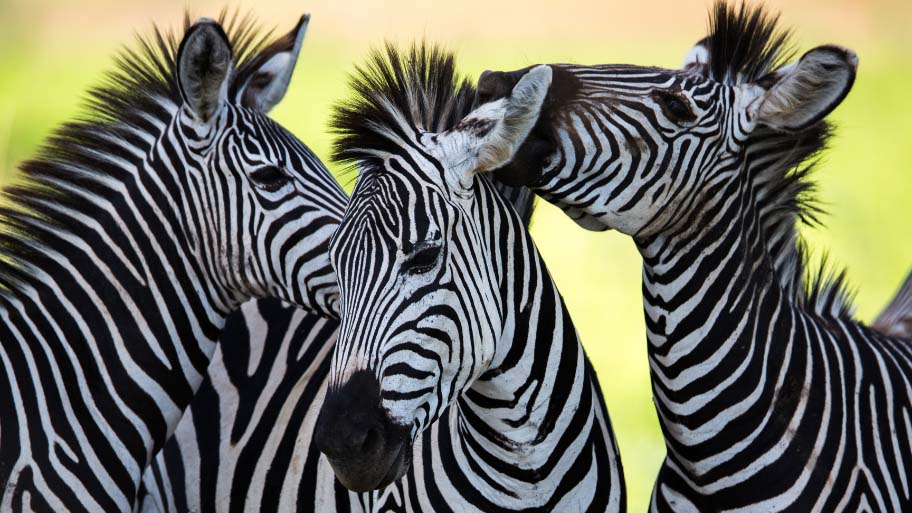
x=536 y=405
x=112 y=321
x=710 y=298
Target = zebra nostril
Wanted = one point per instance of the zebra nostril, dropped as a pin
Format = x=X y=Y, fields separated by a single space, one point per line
x=371 y=441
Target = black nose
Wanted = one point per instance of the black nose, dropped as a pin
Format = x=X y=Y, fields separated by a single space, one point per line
x=494 y=85
x=365 y=448
x=349 y=438
x=350 y=423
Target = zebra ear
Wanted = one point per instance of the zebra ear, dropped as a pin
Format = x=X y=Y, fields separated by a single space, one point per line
x=801 y=94
x=697 y=59
x=204 y=64
x=520 y=113
x=262 y=81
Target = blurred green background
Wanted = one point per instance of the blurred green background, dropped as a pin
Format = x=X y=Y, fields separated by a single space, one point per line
x=50 y=52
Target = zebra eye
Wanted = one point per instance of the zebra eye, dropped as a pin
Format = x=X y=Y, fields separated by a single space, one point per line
x=422 y=259
x=676 y=108
x=270 y=178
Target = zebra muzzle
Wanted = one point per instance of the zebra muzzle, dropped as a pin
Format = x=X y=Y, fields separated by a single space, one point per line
x=366 y=449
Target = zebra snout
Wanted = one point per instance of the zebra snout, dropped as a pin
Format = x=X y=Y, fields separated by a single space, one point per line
x=365 y=448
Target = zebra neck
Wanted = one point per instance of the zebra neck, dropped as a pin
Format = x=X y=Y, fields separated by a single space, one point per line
x=111 y=316
x=539 y=384
x=716 y=259
x=711 y=303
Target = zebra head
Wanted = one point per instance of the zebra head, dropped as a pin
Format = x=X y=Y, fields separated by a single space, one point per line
x=262 y=206
x=421 y=288
x=642 y=149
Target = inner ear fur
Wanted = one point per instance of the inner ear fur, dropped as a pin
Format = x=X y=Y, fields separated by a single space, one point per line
x=802 y=94
x=261 y=82
x=521 y=112
x=204 y=63
x=530 y=160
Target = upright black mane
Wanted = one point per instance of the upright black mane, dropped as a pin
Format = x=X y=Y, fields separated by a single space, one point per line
x=419 y=86
x=131 y=105
x=744 y=43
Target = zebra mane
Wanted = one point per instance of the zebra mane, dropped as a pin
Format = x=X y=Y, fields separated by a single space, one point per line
x=744 y=43
x=395 y=92
x=785 y=196
x=127 y=110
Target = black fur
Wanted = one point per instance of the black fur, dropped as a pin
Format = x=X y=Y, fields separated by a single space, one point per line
x=420 y=84
x=744 y=43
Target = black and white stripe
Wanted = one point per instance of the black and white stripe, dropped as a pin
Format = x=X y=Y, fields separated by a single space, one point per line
x=133 y=237
x=770 y=396
x=244 y=443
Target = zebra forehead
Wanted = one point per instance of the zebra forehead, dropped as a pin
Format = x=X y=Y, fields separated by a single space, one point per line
x=404 y=204
x=401 y=182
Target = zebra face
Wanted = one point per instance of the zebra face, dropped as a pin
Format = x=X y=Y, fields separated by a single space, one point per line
x=266 y=206
x=641 y=149
x=420 y=296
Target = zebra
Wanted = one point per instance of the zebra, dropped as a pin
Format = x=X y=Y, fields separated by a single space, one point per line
x=457 y=372
x=771 y=397
x=245 y=443
x=133 y=235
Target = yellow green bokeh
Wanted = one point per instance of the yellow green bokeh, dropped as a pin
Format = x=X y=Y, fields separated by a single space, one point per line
x=50 y=52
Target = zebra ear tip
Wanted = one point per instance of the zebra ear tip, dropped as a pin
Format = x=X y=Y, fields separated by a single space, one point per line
x=541 y=74
x=697 y=57
x=205 y=31
x=300 y=29
x=541 y=70
x=532 y=88
x=203 y=20
x=263 y=85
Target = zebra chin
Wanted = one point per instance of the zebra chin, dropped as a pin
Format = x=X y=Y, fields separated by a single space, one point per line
x=367 y=476
x=366 y=449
